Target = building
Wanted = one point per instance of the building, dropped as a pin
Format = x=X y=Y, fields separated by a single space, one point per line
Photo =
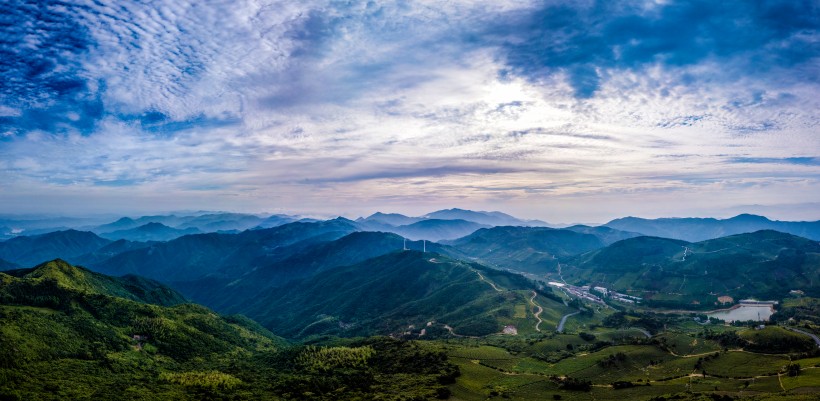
x=602 y=290
x=726 y=299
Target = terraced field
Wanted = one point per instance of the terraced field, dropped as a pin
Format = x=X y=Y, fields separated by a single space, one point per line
x=519 y=374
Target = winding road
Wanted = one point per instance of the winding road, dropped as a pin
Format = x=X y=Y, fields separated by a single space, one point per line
x=487 y=281
x=537 y=314
x=813 y=337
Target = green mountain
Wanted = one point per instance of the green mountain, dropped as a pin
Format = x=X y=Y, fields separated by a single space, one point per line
x=401 y=292
x=526 y=249
x=68 y=333
x=437 y=229
x=699 y=229
x=315 y=258
x=29 y=251
x=764 y=265
x=61 y=274
x=149 y=232
x=227 y=256
x=607 y=235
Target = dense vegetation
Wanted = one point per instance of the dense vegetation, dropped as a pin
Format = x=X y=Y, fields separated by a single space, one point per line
x=66 y=336
x=397 y=293
x=677 y=274
x=528 y=249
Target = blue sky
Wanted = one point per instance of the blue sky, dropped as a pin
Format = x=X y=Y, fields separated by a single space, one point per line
x=559 y=110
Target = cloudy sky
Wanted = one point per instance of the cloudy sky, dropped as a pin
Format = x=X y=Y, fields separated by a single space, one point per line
x=560 y=110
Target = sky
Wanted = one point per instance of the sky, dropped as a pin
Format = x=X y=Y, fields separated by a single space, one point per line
x=566 y=111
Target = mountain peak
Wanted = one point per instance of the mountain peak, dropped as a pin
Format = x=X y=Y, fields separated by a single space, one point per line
x=746 y=217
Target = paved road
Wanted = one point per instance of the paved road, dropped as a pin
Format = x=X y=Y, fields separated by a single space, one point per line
x=560 y=328
x=644 y=331
x=537 y=314
x=813 y=337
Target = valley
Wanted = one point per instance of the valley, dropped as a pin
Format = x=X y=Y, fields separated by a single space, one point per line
x=313 y=309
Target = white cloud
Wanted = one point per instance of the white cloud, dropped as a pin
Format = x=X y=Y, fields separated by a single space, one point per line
x=349 y=108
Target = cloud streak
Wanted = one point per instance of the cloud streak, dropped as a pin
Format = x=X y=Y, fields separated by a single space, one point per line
x=532 y=106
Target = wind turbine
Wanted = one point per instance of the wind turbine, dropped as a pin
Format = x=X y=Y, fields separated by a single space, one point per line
x=405 y=244
x=425 y=246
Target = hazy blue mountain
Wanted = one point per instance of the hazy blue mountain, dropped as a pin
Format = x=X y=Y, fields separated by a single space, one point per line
x=486 y=218
x=312 y=258
x=436 y=229
x=391 y=219
x=606 y=234
x=149 y=232
x=193 y=257
x=6 y=265
x=30 y=225
x=527 y=249
x=108 y=251
x=388 y=293
x=221 y=221
x=32 y=250
x=699 y=229
x=764 y=264
x=124 y=223
x=276 y=220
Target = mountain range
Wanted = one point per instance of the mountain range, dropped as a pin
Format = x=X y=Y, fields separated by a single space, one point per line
x=699 y=229
x=397 y=292
x=764 y=264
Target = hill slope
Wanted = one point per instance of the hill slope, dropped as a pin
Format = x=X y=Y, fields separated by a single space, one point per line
x=763 y=265
x=62 y=274
x=437 y=229
x=29 y=251
x=389 y=293
x=527 y=249
x=66 y=335
x=149 y=232
x=221 y=255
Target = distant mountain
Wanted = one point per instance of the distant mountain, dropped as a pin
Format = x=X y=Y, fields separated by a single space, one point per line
x=108 y=251
x=276 y=220
x=526 y=249
x=486 y=218
x=6 y=265
x=392 y=219
x=390 y=293
x=124 y=223
x=436 y=230
x=310 y=259
x=607 y=235
x=699 y=229
x=193 y=257
x=221 y=221
x=149 y=232
x=206 y=223
x=29 y=251
x=764 y=265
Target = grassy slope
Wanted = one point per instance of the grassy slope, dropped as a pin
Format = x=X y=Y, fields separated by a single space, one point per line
x=66 y=336
x=765 y=264
x=387 y=294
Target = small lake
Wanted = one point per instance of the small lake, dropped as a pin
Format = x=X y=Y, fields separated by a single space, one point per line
x=743 y=313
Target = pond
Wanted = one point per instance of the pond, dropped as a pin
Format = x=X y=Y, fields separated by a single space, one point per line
x=743 y=313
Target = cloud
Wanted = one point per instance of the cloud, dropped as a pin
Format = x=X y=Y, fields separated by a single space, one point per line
x=324 y=104
x=588 y=41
